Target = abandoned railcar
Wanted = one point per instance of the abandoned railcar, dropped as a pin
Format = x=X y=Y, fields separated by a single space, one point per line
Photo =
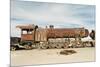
x=49 y=37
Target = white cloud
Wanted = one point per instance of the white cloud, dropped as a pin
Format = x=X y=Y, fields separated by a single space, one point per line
x=55 y=14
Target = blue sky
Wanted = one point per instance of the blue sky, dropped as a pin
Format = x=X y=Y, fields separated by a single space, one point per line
x=43 y=14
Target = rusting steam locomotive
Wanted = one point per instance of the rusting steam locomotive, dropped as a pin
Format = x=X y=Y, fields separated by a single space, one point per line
x=33 y=36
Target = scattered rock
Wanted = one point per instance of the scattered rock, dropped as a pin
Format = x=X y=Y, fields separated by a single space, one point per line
x=67 y=52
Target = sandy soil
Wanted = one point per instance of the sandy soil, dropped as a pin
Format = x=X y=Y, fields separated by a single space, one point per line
x=49 y=56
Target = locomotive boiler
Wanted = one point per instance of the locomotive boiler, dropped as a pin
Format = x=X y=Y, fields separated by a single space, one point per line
x=50 y=37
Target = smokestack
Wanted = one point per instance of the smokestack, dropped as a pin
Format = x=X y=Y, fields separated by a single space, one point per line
x=46 y=27
x=51 y=27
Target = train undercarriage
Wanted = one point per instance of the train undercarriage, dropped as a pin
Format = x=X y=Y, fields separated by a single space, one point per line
x=53 y=45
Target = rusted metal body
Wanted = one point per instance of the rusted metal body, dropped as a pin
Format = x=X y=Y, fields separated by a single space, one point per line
x=44 y=34
x=67 y=33
x=26 y=37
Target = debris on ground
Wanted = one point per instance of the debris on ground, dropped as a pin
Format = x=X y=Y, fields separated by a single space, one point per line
x=68 y=52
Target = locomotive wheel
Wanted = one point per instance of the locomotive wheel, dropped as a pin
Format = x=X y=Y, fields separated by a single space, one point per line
x=33 y=46
x=92 y=44
x=58 y=46
x=85 y=45
x=13 y=48
x=27 y=47
x=62 y=47
x=42 y=47
x=55 y=47
x=48 y=47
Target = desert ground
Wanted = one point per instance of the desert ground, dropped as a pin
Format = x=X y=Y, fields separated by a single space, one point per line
x=49 y=56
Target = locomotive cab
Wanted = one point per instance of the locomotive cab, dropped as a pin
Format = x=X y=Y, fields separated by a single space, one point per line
x=26 y=36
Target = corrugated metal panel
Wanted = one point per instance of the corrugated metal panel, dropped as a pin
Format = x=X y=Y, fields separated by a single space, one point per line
x=41 y=35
